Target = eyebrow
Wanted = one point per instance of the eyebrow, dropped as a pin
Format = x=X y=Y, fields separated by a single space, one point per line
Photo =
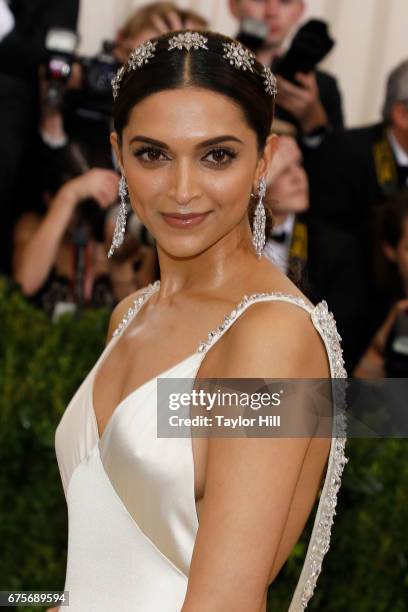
x=205 y=143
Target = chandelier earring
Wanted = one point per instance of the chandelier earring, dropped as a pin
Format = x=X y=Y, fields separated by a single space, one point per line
x=258 y=231
x=120 y=227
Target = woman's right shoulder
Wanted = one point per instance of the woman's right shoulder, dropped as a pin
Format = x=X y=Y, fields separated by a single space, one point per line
x=121 y=309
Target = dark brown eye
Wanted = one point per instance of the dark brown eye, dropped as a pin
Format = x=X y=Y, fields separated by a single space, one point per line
x=153 y=155
x=219 y=156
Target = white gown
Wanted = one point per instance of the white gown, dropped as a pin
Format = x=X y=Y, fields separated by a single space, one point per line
x=132 y=519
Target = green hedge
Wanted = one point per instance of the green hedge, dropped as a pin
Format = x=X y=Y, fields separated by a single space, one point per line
x=42 y=364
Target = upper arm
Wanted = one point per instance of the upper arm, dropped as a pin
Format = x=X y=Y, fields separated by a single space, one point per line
x=250 y=482
x=23 y=231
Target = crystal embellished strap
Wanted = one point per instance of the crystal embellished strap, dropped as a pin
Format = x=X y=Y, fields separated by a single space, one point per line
x=215 y=334
x=319 y=542
x=137 y=304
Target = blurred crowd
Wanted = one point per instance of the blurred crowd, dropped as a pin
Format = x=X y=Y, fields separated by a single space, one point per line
x=339 y=196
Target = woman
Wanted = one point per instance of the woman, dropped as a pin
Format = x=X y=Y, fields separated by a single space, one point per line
x=154 y=523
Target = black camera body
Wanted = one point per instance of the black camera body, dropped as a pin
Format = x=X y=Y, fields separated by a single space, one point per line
x=309 y=46
x=95 y=95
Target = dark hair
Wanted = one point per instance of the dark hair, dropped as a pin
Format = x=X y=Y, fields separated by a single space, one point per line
x=203 y=68
x=389 y=228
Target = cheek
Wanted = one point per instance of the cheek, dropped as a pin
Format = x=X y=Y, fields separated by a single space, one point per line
x=289 y=16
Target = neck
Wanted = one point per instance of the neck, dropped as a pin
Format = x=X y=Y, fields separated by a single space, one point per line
x=232 y=257
x=279 y=218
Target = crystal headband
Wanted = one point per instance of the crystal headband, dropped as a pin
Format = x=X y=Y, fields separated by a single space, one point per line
x=238 y=56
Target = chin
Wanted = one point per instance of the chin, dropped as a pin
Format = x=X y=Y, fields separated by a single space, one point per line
x=182 y=249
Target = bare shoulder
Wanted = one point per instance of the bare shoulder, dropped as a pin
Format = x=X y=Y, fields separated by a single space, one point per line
x=277 y=339
x=121 y=309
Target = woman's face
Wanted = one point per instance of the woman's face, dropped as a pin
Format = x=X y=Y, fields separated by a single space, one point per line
x=190 y=151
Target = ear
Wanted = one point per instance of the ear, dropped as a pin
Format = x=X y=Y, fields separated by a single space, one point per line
x=116 y=147
x=389 y=251
x=302 y=9
x=264 y=164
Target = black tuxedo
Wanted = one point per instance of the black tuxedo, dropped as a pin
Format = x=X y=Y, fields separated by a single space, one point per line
x=351 y=174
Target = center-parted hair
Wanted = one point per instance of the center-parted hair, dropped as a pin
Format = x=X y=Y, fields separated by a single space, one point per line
x=204 y=68
x=201 y=68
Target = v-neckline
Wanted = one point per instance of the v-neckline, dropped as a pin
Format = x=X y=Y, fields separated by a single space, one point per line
x=105 y=353
x=129 y=395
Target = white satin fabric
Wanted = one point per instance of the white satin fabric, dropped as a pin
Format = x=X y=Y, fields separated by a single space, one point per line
x=130 y=498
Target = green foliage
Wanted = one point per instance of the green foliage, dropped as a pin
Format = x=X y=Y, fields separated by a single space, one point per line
x=41 y=366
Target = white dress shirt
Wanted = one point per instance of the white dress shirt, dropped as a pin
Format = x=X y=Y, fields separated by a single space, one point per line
x=278 y=252
x=7 y=21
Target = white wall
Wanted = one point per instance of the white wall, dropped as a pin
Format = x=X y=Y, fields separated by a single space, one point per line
x=371 y=39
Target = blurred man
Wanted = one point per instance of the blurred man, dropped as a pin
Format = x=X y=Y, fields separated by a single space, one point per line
x=315 y=103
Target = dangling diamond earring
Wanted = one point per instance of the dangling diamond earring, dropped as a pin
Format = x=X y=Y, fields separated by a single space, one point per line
x=120 y=227
x=258 y=234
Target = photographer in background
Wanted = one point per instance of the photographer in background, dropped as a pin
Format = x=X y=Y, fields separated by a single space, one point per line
x=313 y=102
x=387 y=353
x=75 y=130
x=59 y=263
x=23 y=28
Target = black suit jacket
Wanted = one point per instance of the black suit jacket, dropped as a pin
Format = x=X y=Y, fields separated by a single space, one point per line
x=351 y=175
x=22 y=49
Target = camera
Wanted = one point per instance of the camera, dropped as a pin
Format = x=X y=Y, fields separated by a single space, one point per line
x=60 y=47
x=309 y=47
x=94 y=97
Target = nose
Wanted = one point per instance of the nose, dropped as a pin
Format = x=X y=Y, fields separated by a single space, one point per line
x=184 y=185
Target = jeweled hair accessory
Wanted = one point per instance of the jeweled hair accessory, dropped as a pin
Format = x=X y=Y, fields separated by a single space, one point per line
x=239 y=56
x=271 y=83
x=188 y=40
x=139 y=56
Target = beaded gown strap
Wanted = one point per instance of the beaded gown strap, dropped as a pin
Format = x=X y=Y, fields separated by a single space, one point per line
x=146 y=292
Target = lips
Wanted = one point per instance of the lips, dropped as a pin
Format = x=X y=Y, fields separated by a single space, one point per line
x=184 y=216
x=186 y=220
